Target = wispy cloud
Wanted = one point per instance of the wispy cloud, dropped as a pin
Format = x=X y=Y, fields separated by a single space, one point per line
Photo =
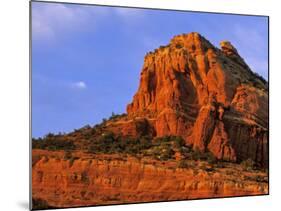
x=51 y=20
x=130 y=16
x=79 y=85
x=58 y=83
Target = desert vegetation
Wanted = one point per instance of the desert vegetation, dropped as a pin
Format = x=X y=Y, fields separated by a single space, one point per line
x=52 y=142
x=173 y=148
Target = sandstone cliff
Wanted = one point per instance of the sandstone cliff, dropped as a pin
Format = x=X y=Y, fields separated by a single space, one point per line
x=209 y=96
x=92 y=180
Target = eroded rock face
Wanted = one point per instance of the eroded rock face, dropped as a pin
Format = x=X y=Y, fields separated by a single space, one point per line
x=203 y=128
x=100 y=180
x=206 y=95
x=220 y=144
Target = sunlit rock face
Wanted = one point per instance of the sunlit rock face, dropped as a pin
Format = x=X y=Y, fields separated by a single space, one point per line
x=111 y=179
x=209 y=96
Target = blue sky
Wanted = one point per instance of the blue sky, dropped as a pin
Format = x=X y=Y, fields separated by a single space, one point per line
x=86 y=60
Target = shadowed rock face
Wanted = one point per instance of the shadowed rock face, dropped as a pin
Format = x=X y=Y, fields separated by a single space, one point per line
x=209 y=96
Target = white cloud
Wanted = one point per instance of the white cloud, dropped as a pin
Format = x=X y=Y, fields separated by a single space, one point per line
x=129 y=12
x=79 y=85
x=58 y=83
x=130 y=15
x=50 y=20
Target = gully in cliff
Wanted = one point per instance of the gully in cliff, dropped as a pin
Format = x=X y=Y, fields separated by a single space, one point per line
x=196 y=127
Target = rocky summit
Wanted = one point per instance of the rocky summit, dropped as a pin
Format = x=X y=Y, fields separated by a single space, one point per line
x=209 y=96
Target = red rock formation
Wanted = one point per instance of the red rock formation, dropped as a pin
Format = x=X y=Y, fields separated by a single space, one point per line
x=206 y=95
x=112 y=179
x=220 y=144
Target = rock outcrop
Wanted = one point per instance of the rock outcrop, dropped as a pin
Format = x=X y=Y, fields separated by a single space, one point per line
x=209 y=96
x=111 y=179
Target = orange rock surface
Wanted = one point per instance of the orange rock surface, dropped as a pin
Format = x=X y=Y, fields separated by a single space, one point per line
x=92 y=180
x=209 y=96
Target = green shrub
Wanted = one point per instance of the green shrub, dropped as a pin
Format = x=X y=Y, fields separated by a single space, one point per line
x=248 y=164
x=104 y=120
x=260 y=178
x=220 y=164
x=210 y=158
x=185 y=150
x=107 y=137
x=166 y=153
x=145 y=142
x=40 y=204
x=53 y=143
x=116 y=116
x=179 y=141
x=107 y=143
x=50 y=135
x=196 y=155
x=163 y=139
x=206 y=156
x=182 y=164
x=162 y=152
x=67 y=155
x=260 y=78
